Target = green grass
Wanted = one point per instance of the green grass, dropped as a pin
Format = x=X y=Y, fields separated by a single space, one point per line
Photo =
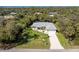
x=64 y=42
x=39 y=42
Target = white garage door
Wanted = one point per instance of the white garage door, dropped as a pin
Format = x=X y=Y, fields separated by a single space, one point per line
x=50 y=33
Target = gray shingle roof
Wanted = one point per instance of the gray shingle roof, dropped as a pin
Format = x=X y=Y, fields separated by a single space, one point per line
x=52 y=13
x=49 y=26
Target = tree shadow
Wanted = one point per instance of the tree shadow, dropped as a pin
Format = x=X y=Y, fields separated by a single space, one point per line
x=11 y=44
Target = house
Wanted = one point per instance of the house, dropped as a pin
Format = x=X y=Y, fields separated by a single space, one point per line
x=13 y=13
x=9 y=17
x=43 y=26
x=37 y=13
x=52 y=13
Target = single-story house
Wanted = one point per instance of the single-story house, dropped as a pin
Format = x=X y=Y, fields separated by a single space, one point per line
x=52 y=13
x=13 y=13
x=43 y=26
x=9 y=17
x=37 y=13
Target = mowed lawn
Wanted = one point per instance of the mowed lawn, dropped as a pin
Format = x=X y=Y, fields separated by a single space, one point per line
x=39 y=41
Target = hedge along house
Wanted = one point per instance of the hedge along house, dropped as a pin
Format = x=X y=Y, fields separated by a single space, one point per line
x=43 y=27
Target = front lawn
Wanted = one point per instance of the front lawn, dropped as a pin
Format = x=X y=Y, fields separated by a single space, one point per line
x=64 y=42
x=36 y=40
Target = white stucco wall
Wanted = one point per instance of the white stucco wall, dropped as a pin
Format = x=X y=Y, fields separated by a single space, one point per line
x=44 y=31
x=51 y=15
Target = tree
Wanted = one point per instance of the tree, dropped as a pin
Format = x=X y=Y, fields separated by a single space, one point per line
x=7 y=33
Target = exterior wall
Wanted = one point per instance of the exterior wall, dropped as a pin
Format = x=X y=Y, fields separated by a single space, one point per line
x=9 y=17
x=34 y=28
x=44 y=31
x=51 y=15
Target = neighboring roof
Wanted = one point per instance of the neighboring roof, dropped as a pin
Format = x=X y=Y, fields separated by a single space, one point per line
x=13 y=13
x=52 y=13
x=38 y=13
x=9 y=17
x=48 y=25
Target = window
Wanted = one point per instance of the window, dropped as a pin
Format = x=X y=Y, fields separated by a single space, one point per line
x=42 y=28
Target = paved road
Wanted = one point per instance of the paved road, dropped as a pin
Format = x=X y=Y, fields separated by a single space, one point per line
x=40 y=50
x=54 y=42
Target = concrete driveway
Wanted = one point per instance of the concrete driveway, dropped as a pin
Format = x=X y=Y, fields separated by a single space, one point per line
x=54 y=42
